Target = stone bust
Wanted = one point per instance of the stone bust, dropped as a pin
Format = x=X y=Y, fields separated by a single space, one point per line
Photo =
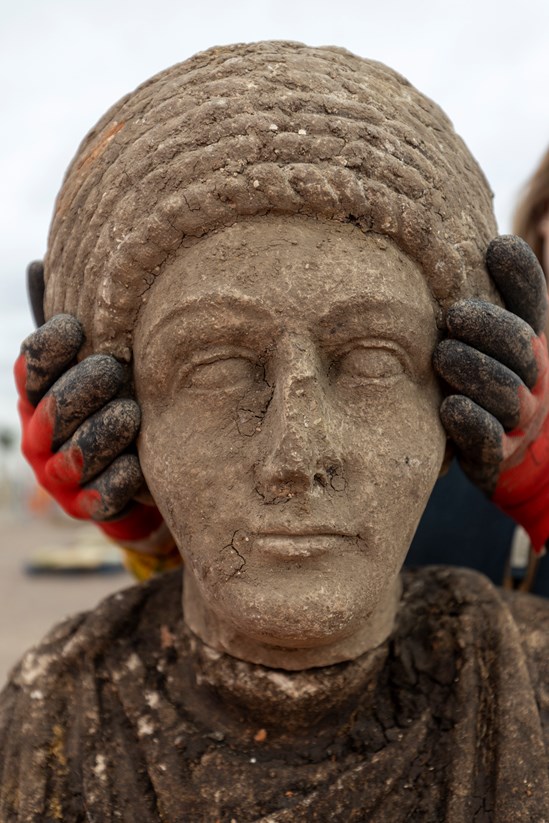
x=271 y=234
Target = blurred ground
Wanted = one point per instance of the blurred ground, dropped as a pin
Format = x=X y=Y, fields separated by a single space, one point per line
x=31 y=604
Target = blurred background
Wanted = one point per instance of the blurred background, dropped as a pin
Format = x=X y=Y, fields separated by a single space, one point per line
x=65 y=62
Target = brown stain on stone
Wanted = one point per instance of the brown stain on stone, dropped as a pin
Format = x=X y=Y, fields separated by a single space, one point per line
x=100 y=147
x=83 y=163
x=57 y=749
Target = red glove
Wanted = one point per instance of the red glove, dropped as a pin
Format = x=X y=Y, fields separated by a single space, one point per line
x=498 y=362
x=76 y=436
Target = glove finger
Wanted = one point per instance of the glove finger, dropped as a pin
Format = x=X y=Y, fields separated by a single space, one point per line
x=46 y=354
x=488 y=383
x=519 y=277
x=496 y=332
x=96 y=443
x=80 y=392
x=110 y=494
x=478 y=438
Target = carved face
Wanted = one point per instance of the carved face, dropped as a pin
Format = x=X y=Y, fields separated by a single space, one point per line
x=290 y=433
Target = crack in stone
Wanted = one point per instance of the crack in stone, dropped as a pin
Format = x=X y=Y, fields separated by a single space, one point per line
x=231 y=547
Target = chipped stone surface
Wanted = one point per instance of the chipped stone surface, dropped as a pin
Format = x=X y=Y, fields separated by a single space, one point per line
x=100 y=767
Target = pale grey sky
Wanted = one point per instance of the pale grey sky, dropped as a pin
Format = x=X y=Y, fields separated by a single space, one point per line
x=64 y=62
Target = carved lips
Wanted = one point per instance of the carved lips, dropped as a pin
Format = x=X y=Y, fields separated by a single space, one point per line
x=302 y=546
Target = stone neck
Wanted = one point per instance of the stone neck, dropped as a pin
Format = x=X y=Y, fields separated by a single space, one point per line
x=277 y=699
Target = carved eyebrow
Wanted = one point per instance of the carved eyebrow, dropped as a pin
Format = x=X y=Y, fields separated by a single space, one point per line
x=222 y=314
x=200 y=316
x=380 y=315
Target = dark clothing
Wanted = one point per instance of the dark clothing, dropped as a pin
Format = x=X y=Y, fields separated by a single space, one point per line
x=122 y=714
x=461 y=527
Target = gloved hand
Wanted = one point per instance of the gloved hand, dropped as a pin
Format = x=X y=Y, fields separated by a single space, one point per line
x=78 y=436
x=497 y=362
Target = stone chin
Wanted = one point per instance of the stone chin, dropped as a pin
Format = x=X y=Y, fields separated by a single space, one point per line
x=335 y=619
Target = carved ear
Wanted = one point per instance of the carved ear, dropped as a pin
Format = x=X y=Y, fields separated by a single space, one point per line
x=543 y=226
x=35 y=290
x=449 y=455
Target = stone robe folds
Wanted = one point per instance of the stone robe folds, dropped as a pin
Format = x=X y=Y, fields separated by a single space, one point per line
x=121 y=714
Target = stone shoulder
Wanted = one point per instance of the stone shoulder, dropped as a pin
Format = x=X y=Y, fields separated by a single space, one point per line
x=531 y=615
x=90 y=634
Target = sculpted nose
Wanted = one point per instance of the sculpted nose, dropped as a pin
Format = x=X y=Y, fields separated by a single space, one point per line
x=299 y=453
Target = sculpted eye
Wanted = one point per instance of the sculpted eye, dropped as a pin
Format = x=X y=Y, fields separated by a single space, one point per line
x=222 y=373
x=364 y=363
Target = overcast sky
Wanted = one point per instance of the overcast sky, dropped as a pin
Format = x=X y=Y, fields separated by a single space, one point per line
x=64 y=62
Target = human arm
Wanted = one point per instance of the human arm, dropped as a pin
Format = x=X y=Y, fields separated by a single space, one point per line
x=78 y=436
x=496 y=364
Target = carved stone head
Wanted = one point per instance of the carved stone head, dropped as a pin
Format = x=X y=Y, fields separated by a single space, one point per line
x=271 y=234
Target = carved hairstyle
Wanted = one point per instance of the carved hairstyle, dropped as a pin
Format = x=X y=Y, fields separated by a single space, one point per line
x=244 y=130
x=532 y=207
